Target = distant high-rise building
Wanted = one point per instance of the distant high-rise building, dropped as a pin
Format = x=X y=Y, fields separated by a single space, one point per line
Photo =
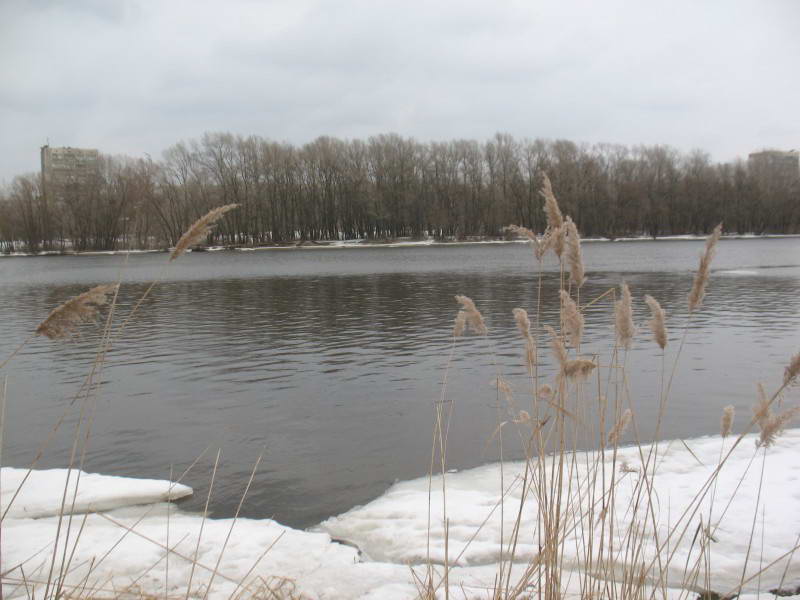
x=63 y=168
x=775 y=163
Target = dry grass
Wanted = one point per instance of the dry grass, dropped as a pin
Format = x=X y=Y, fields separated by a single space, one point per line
x=726 y=422
x=577 y=272
x=571 y=319
x=658 y=321
x=200 y=230
x=613 y=561
x=63 y=321
x=623 y=317
x=470 y=317
x=700 y=282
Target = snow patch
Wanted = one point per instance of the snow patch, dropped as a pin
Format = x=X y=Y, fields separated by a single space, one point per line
x=41 y=494
x=738 y=272
x=125 y=549
x=395 y=528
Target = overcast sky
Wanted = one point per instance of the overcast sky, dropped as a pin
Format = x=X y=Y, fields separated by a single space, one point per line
x=135 y=76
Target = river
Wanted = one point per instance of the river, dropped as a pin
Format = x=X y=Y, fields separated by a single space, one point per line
x=330 y=360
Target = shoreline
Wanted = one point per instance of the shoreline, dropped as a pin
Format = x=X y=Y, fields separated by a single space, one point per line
x=380 y=543
x=397 y=243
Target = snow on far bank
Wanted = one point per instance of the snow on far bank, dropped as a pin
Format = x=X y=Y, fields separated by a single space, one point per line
x=400 y=243
x=125 y=550
x=737 y=272
x=41 y=494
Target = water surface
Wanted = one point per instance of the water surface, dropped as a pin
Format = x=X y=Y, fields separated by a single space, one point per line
x=330 y=360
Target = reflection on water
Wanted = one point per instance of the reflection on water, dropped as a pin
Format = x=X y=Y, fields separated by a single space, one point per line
x=330 y=360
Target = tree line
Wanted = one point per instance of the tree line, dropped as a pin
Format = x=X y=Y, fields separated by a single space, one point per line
x=390 y=186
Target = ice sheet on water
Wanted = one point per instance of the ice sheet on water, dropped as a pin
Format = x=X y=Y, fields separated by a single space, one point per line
x=394 y=527
x=42 y=493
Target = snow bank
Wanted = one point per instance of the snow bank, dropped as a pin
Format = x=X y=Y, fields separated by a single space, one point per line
x=395 y=528
x=125 y=550
x=137 y=559
x=42 y=493
x=123 y=553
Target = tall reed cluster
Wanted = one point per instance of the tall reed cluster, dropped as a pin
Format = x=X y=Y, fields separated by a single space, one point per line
x=577 y=417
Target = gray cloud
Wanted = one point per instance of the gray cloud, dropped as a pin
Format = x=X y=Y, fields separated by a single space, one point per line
x=137 y=76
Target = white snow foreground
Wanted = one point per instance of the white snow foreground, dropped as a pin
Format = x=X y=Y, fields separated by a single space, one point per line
x=123 y=552
x=43 y=492
x=394 y=527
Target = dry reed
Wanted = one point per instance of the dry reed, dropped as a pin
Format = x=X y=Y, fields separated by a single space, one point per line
x=472 y=316
x=726 y=423
x=792 y=370
x=623 y=317
x=572 y=319
x=703 y=270
x=577 y=272
x=523 y=418
x=524 y=326
x=762 y=411
x=63 y=321
x=538 y=244
x=769 y=424
x=657 y=321
x=558 y=347
x=556 y=239
x=460 y=324
x=774 y=425
x=555 y=219
x=523 y=322
x=578 y=368
x=199 y=230
x=619 y=428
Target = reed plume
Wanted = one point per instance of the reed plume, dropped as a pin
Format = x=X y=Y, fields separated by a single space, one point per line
x=460 y=324
x=523 y=322
x=557 y=344
x=703 y=270
x=554 y=217
x=770 y=424
x=619 y=428
x=520 y=231
x=555 y=239
x=524 y=326
x=199 y=230
x=538 y=244
x=774 y=426
x=762 y=413
x=575 y=368
x=623 y=317
x=531 y=353
x=545 y=392
x=577 y=272
x=726 y=423
x=472 y=316
x=792 y=370
x=63 y=321
x=578 y=368
x=523 y=418
x=554 y=236
x=657 y=322
x=572 y=318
